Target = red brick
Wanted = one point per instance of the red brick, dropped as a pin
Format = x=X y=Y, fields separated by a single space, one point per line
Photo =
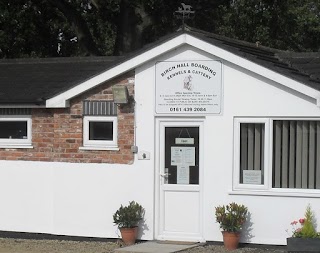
x=57 y=133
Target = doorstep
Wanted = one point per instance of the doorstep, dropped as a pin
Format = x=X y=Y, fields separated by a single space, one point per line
x=157 y=247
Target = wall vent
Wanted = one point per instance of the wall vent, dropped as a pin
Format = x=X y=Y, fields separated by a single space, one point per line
x=99 y=108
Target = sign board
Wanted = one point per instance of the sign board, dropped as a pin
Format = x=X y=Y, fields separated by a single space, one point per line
x=184 y=141
x=252 y=176
x=188 y=87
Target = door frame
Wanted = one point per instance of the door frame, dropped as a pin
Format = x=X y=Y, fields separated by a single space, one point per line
x=159 y=143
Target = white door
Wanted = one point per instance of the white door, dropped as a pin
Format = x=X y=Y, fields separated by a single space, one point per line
x=178 y=181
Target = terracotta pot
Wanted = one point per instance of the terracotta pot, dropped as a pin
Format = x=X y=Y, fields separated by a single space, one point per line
x=231 y=240
x=129 y=235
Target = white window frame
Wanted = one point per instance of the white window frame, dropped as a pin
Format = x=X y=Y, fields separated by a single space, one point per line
x=17 y=143
x=265 y=189
x=100 y=144
x=236 y=171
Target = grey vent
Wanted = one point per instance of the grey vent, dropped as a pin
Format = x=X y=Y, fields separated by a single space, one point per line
x=99 y=108
x=15 y=111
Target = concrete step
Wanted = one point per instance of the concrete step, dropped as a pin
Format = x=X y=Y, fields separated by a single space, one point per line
x=157 y=247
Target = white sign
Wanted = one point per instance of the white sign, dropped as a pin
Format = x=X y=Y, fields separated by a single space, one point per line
x=183 y=156
x=184 y=140
x=188 y=87
x=252 y=176
x=183 y=174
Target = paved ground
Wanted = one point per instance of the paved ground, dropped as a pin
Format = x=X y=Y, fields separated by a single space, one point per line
x=8 y=245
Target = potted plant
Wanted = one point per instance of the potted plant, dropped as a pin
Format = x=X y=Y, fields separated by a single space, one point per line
x=304 y=235
x=127 y=219
x=231 y=218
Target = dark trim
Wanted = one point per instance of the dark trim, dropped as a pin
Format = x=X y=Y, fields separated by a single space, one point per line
x=40 y=236
x=253 y=245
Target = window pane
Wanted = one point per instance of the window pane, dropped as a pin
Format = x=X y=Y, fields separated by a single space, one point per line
x=252 y=153
x=100 y=130
x=13 y=129
x=296 y=151
x=182 y=160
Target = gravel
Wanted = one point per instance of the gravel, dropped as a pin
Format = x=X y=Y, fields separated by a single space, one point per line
x=10 y=245
x=246 y=249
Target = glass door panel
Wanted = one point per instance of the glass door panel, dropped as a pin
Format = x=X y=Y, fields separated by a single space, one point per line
x=181 y=155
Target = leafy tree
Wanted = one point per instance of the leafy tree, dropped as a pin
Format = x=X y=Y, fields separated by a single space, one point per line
x=283 y=24
x=49 y=28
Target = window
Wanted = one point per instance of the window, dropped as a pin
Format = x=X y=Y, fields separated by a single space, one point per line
x=251 y=153
x=99 y=132
x=296 y=154
x=274 y=154
x=15 y=131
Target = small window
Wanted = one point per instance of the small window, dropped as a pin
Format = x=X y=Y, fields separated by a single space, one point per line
x=250 y=153
x=100 y=132
x=15 y=131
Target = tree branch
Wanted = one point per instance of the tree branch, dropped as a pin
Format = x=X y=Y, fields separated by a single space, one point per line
x=79 y=24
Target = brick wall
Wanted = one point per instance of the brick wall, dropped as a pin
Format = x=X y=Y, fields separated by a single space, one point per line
x=57 y=133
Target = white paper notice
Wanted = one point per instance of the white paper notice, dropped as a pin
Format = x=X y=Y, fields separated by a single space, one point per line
x=183 y=156
x=176 y=156
x=252 y=176
x=182 y=174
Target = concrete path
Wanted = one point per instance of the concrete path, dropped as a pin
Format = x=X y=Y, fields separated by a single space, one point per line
x=156 y=247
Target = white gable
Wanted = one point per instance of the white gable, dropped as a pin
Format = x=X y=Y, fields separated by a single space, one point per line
x=62 y=100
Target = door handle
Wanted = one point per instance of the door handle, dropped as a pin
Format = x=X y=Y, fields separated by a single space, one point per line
x=165 y=174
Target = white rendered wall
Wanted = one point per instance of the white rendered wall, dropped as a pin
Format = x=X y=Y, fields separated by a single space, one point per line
x=247 y=95
x=72 y=199
x=79 y=199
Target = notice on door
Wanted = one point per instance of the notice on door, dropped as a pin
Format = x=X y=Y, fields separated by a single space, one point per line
x=183 y=156
x=188 y=87
x=183 y=174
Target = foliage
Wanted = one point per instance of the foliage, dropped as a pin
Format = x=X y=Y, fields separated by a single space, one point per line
x=231 y=217
x=51 y=28
x=305 y=228
x=128 y=216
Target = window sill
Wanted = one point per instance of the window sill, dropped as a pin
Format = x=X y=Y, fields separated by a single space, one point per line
x=116 y=148
x=279 y=192
x=15 y=146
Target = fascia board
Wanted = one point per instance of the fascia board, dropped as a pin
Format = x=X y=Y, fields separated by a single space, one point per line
x=62 y=100
x=253 y=67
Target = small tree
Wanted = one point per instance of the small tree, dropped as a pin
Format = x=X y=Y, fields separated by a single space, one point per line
x=308 y=230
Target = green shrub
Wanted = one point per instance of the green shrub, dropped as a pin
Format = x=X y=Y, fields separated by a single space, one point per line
x=128 y=216
x=231 y=217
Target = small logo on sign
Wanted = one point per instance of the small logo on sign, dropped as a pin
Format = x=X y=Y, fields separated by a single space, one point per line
x=187 y=84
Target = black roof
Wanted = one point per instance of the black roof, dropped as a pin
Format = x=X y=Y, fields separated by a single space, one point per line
x=35 y=80
x=302 y=67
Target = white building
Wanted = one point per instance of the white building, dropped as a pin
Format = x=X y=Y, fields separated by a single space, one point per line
x=215 y=121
